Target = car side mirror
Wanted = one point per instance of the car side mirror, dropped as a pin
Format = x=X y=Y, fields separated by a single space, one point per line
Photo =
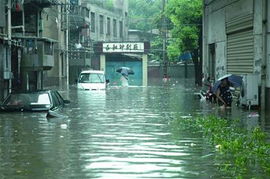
x=66 y=101
x=76 y=81
x=107 y=81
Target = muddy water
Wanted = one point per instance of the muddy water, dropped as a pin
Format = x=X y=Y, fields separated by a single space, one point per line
x=123 y=132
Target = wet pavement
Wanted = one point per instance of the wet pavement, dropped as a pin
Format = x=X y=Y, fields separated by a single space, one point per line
x=123 y=132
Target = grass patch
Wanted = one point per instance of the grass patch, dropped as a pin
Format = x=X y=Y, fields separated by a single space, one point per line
x=239 y=153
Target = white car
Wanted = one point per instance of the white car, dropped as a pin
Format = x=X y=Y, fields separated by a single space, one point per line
x=92 y=80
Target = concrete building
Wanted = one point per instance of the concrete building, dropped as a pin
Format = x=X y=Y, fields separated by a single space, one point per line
x=138 y=35
x=32 y=40
x=236 y=40
x=5 y=49
x=54 y=20
x=79 y=39
x=91 y=23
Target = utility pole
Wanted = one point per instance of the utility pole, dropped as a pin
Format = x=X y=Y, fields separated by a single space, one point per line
x=265 y=54
x=8 y=52
x=164 y=34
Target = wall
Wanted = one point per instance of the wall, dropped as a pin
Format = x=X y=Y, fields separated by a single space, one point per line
x=216 y=14
x=112 y=15
x=174 y=71
x=215 y=33
x=2 y=14
x=218 y=37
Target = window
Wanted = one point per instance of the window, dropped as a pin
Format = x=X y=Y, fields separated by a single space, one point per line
x=93 y=20
x=59 y=97
x=114 y=28
x=31 y=45
x=30 y=98
x=101 y=24
x=55 y=100
x=91 y=78
x=121 y=29
x=43 y=99
x=87 y=12
x=108 y=26
x=48 y=48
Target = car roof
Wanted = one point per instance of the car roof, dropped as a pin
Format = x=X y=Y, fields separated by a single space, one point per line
x=36 y=91
x=93 y=71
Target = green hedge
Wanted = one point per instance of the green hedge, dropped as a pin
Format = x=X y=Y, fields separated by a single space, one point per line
x=239 y=153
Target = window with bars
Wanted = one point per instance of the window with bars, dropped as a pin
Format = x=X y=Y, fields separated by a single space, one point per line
x=108 y=26
x=101 y=24
x=114 y=28
x=93 y=20
x=121 y=29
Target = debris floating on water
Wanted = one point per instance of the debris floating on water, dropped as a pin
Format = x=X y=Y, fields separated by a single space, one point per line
x=253 y=114
x=63 y=126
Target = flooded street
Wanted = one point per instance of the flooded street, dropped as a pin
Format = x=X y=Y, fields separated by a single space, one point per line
x=118 y=133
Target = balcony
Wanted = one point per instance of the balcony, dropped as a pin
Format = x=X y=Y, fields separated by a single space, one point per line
x=40 y=3
x=79 y=17
x=38 y=54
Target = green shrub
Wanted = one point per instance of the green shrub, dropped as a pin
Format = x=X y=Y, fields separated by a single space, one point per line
x=239 y=152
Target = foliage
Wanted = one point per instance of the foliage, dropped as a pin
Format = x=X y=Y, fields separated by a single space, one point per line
x=107 y=4
x=183 y=20
x=156 y=49
x=186 y=16
x=142 y=13
x=240 y=153
x=173 y=50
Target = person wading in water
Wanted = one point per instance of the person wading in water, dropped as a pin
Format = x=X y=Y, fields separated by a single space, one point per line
x=223 y=93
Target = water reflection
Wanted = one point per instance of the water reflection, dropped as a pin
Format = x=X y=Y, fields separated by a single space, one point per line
x=117 y=133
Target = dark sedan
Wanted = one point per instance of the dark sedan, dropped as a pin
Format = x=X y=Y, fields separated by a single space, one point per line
x=44 y=100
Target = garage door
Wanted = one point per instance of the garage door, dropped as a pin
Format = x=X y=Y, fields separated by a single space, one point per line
x=240 y=45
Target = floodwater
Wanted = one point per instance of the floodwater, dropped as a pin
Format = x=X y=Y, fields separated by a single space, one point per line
x=121 y=133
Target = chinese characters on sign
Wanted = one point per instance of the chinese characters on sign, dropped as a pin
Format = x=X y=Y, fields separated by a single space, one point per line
x=123 y=47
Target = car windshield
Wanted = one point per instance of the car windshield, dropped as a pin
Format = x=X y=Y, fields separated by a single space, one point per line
x=91 y=78
x=24 y=99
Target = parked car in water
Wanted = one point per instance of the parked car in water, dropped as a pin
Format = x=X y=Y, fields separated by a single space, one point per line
x=43 y=100
x=92 y=80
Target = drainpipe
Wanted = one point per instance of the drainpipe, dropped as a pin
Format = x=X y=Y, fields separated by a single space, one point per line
x=264 y=61
x=66 y=48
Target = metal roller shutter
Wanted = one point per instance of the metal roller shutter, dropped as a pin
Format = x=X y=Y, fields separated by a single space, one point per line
x=240 y=45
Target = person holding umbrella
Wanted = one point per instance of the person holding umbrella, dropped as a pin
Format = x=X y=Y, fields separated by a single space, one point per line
x=223 y=93
x=125 y=71
x=222 y=90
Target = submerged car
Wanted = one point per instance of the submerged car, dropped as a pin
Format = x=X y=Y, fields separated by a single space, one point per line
x=43 y=100
x=92 y=80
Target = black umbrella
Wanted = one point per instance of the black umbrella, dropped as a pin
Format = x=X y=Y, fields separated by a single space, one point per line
x=125 y=71
x=235 y=81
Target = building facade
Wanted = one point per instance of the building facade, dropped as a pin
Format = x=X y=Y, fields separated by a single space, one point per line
x=236 y=41
x=32 y=40
x=5 y=49
x=90 y=23
x=54 y=22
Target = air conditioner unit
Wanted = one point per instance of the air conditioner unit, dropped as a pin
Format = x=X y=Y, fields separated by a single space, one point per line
x=249 y=90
